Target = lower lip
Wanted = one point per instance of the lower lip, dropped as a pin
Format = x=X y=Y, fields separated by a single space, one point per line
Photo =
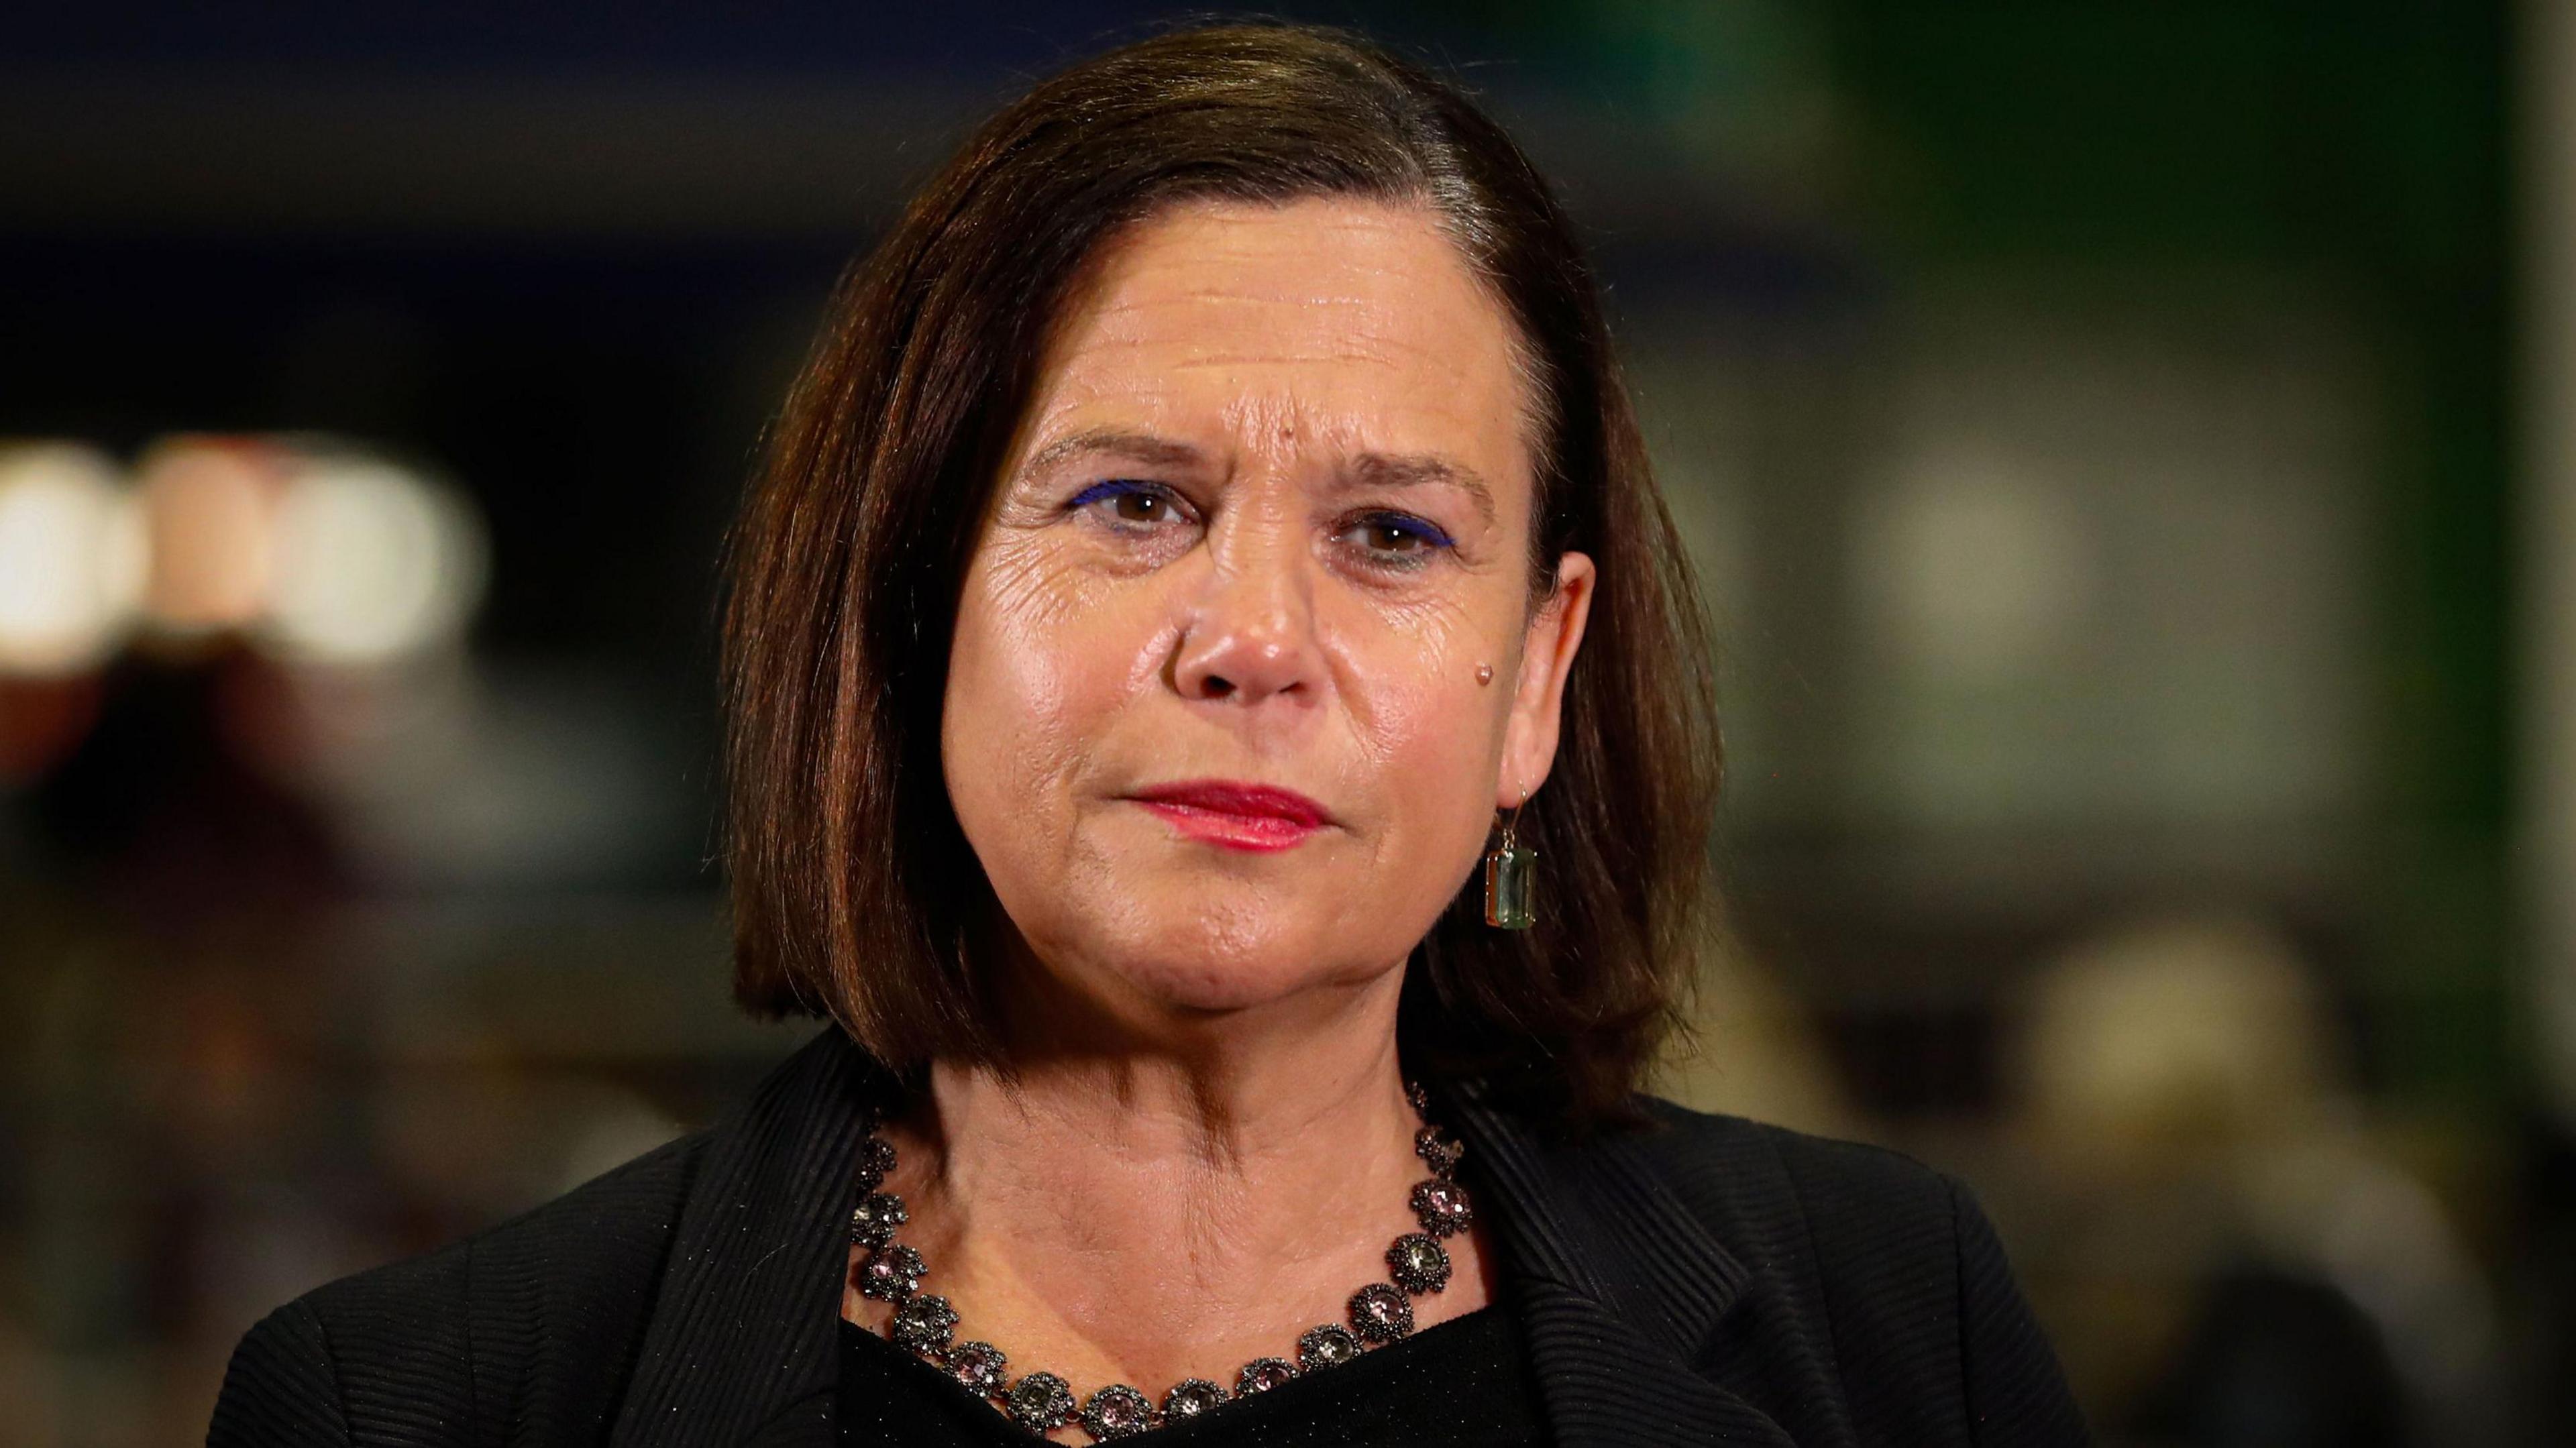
x=1258 y=834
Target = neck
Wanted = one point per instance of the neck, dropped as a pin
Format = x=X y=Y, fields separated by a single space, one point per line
x=1226 y=1092
x=1220 y=1148
x=1145 y=1205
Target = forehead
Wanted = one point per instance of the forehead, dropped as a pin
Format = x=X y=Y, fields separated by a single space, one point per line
x=1339 y=321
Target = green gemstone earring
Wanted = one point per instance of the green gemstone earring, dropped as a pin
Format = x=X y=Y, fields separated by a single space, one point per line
x=1511 y=870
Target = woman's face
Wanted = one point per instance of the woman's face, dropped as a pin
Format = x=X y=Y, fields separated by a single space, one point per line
x=1247 y=655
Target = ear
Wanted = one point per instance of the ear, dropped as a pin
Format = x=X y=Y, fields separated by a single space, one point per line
x=1554 y=634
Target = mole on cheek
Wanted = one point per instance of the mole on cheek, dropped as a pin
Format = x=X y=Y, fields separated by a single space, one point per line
x=1484 y=673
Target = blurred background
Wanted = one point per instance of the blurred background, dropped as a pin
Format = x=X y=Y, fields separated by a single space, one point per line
x=2132 y=452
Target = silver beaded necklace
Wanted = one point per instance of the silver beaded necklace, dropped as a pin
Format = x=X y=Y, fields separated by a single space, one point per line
x=1380 y=1313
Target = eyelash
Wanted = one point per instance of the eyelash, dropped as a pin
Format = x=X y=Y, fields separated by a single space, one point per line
x=1102 y=492
x=1433 y=537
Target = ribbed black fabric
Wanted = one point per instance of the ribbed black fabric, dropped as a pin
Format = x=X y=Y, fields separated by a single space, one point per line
x=523 y=1334
x=1704 y=1281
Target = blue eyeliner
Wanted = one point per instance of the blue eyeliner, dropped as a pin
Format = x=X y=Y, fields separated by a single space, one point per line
x=1114 y=487
x=1428 y=531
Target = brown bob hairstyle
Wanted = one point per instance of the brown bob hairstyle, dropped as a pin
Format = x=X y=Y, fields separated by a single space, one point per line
x=855 y=895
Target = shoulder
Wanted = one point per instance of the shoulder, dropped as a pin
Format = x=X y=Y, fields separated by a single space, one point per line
x=1858 y=1229
x=567 y=1284
x=1892 y=1260
x=1719 y=1156
x=591 y=1246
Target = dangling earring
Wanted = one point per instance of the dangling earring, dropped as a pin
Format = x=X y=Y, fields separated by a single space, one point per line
x=1511 y=870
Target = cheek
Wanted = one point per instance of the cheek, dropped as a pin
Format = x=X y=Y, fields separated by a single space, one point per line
x=1036 y=670
x=1430 y=736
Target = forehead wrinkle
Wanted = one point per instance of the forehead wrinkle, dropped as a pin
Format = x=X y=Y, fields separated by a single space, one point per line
x=1267 y=418
x=1125 y=316
x=1132 y=319
x=1158 y=304
x=1380 y=318
x=1285 y=417
x=1387 y=343
x=1231 y=362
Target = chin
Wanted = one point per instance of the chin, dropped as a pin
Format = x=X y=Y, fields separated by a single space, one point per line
x=1238 y=961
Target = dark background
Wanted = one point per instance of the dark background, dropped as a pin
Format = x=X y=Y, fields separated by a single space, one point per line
x=2100 y=427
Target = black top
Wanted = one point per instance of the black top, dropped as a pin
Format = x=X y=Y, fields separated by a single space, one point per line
x=1464 y=1383
x=1702 y=1280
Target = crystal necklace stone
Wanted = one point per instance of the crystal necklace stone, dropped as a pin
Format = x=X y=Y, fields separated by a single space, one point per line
x=1438 y=1152
x=1418 y=1263
x=924 y=1323
x=1042 y=1402
x=1190 y=1397
x=1262 y=1374
x=1380 y=1313
x=1117 y=1411
x=983 y=1368
x=891 y=1274
x=1441 y=1207
x=876 y=1162
x=1328 y=1346
x=873 y=1221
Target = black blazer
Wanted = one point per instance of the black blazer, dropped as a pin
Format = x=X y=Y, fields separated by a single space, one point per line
x=1703 y=1281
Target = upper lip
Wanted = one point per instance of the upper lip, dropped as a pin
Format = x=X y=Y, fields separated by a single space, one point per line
x=1237 y=797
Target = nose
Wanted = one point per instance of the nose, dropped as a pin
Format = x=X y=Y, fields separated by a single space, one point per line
x=1249 y=634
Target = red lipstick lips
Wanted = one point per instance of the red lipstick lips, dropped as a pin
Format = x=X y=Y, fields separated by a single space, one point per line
x=1235 y=815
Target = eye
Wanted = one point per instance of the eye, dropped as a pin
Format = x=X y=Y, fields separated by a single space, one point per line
x=1128 y=501
x=1396 y=538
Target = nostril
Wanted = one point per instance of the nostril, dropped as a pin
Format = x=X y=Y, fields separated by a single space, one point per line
x=1216 y=686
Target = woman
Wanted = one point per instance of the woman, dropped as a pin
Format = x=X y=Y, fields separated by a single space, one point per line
x=1220 y=726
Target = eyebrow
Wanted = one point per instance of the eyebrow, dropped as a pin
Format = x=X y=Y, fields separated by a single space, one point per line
x=1383 y=470
x=1114 y=442
x=1415 y=470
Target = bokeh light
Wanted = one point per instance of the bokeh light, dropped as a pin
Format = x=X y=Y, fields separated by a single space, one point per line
x=209 y=505
x=71 y=559
x=370 y=561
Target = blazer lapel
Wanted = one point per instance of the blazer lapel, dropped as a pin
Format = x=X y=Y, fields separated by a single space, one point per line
x=1619 y=1288
x=742 y=1344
